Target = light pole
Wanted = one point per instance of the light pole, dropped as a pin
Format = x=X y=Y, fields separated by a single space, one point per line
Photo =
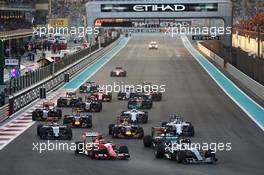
x=2 y=62
x=258 y=32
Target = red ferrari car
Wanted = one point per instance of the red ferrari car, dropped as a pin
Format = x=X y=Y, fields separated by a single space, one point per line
x=93 y=145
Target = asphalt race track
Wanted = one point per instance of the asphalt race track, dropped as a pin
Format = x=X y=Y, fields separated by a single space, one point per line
x=189 y=91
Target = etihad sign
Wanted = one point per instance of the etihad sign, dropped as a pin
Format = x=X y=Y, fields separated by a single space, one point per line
x=159 y=8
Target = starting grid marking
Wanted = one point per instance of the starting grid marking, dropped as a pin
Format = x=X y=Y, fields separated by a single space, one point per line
x=18 y=125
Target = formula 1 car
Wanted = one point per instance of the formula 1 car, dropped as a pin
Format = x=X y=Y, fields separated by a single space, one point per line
x=167 y=145
x=125 y=130
x=157 y=134
x=153 y=94
x=153 y=45
x=139 y=102
x=71 y=100
x=126 y=94
x=54 y=131
x=94 y=146
x=88 y=87
x=92 y=105
x=48 y=112
x=180 y=127
x=118 y=72
x=78 y=120
x=135 y=116
x=101 y=95
x=182 y=151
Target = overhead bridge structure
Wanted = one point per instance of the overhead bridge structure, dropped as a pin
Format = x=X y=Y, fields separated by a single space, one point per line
x=177 y=9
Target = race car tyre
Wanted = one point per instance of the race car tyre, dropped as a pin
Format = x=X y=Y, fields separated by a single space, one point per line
x=147 y=141
x=35 y=115
x=38 y=129
x=59 y=113
x=93 y=154
x=82 y=106
x=140 y=133
x=149 y=106
x=115 y=132
x=130 y=105
x=145 y=119
x=125 y=74
x=42 y=133
x=112 y=74
x=110 y=128
x=191 y=131
x=209 y=153
x=110 y=97
x=89 y=122
x=188 y=131
x=159 y=97
x=123 y=150
x=179 y=157
x=65 y=120
x=159 y=151
x=68 y=133
x=79 y=147
x=119 y=96
x=97 y=109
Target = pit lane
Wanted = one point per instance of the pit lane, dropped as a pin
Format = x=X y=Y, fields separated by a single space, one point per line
x=189 y=91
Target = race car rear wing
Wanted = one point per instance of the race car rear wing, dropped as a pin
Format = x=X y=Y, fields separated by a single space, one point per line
x=123 y=118
x=173 y=117
x=76 y=111
x=158 y=129
x=48 y=103
x=71 y=94
x=92 y=134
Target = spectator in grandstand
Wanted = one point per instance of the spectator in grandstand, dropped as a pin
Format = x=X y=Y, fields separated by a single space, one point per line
x=252 y=23
x=11 y=24
x=65 y=9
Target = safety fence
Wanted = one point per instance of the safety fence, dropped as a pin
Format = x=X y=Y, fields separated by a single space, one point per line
x=250 y=65
x=236 y=72
x=15 y=85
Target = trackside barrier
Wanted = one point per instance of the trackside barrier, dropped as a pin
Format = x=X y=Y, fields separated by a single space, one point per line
x=251 y=84
x=22 y=99
x=15 y=85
